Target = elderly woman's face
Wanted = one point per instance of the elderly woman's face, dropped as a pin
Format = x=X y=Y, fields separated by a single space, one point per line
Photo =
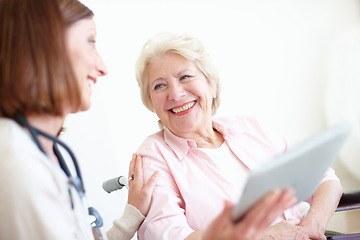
x=86 y=61
x=180 y=93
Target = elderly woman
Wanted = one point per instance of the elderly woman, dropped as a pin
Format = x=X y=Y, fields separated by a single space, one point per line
x=204 y=160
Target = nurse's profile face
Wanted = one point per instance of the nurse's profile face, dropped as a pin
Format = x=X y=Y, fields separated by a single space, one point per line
x=86 y=61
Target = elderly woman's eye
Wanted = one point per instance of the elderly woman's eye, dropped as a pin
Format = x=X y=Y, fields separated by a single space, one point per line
x=185 y=77
x=158 y=86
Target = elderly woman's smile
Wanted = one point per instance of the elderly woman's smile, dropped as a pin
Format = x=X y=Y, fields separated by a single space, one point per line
x=184 y=109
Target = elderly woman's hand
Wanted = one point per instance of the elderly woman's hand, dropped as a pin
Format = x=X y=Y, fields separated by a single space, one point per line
x=140 y=194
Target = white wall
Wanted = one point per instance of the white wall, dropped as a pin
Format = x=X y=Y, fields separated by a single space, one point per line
x=271 y=55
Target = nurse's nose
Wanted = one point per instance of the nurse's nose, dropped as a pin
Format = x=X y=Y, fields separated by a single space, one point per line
x=100 y=66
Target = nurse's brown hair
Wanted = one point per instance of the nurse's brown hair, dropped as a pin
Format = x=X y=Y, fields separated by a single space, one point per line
x=35 y=72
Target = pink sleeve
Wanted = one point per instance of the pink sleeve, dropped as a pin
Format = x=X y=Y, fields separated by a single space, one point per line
x=166 y=219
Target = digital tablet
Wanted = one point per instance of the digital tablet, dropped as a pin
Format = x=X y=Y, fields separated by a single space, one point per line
x=301 y=167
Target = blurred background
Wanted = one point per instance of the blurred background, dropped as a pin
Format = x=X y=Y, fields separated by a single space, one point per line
x=292 y=64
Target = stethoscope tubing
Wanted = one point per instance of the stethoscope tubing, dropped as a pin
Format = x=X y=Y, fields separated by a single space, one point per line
x=77 y=181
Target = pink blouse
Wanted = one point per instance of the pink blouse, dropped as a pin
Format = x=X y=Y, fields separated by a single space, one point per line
x=191 y=192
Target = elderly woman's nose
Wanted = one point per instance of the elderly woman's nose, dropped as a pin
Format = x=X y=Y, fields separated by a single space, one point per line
x=176 y=92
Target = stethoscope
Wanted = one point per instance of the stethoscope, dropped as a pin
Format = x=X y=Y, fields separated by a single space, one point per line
x=76 y=181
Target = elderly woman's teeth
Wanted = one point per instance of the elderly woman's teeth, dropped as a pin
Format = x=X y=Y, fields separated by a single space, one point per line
x=183 y=108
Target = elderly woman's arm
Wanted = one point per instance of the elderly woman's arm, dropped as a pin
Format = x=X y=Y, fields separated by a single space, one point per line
x=324 y=203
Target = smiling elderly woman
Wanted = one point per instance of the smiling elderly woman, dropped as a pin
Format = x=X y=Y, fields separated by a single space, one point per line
x=205 y=160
